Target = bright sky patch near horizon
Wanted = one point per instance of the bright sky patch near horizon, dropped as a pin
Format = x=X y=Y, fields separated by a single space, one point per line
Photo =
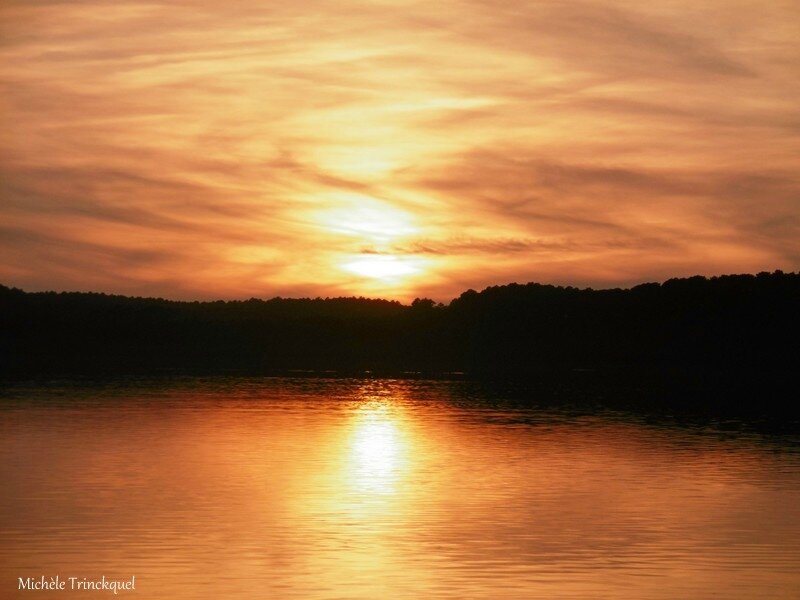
x=396 y=149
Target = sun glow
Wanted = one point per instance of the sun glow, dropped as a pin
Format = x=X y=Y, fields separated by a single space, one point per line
x=369 y=220
x=372 y=234
x=384 y=267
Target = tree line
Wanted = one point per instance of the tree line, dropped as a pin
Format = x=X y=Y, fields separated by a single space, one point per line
x=731 y=324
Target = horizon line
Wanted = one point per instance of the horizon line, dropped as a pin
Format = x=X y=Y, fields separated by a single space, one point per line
x=310 y=298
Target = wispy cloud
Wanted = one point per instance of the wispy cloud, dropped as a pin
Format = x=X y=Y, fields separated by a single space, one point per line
x=206 y=149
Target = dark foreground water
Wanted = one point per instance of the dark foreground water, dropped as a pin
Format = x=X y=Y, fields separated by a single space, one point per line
x=277 y=488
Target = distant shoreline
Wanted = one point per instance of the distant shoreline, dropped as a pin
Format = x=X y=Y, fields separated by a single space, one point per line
x=731 y=329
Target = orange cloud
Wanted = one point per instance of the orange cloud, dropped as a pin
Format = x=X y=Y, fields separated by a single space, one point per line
x=397 y=149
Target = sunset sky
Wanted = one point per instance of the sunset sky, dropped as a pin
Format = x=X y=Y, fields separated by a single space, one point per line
x=204 y=149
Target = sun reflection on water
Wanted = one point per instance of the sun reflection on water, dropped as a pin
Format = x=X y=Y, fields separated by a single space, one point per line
x=378 y=452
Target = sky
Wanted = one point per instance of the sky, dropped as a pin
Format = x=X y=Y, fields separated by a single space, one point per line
x=204 y=149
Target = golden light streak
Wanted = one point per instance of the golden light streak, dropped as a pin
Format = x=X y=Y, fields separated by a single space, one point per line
x=378 y=451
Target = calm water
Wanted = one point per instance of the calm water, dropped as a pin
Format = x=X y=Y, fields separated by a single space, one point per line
x=277 y=488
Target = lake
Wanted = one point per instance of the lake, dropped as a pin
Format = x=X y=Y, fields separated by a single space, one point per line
x=277 y=488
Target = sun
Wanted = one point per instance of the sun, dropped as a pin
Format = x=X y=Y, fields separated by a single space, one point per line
x=373 y=234
x=384 y=267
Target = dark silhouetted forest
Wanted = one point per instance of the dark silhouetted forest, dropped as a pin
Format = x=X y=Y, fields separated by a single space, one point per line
x=729 y=324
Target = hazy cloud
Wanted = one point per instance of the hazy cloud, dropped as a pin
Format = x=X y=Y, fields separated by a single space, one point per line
x=226 y=150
